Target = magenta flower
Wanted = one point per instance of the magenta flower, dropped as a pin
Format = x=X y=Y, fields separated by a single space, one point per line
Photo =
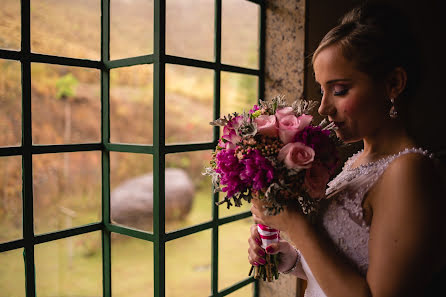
x=254 y=109
x=257 y=170
x=229 y=168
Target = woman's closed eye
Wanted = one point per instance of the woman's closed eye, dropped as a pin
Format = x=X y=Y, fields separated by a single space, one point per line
x=339 y=90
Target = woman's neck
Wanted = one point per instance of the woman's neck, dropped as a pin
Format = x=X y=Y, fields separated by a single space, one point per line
x=389 y=139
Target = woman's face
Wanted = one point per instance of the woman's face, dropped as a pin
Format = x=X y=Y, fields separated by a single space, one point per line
x=356 y=103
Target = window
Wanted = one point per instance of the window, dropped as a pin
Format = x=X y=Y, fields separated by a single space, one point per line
x=32 y=145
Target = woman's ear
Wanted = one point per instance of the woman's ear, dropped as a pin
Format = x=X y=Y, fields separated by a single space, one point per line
x=396 y=82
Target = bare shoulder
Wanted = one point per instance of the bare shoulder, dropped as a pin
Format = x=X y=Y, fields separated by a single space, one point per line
x=413 y=188
x=414 y=173
x=412 y=178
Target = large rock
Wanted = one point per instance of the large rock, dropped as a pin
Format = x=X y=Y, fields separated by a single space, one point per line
x=131 y=202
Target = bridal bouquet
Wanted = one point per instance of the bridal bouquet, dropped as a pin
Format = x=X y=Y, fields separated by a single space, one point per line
x=276 y=154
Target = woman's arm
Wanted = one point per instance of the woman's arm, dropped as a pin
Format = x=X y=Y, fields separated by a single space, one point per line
x=406 y=236
x=406 y=243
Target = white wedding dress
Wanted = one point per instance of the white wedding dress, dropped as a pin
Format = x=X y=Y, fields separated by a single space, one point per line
x=343 y=219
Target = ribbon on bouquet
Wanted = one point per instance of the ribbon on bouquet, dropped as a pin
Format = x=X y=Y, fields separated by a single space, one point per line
x=269 y=270
x=268 y=235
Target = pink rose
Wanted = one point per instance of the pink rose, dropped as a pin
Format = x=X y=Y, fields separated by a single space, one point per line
x=290 y=125
x=296 y=155
x=316 y=179
x=267 y=125
x=280 y=113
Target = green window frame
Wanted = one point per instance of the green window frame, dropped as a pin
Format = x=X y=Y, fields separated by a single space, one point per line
x=158 y=150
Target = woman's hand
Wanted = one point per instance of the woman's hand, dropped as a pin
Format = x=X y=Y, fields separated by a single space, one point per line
x=256 y=254
x=283 y=221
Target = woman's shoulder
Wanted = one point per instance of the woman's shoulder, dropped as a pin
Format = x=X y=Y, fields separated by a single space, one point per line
x=416 y=165
x=413 y=177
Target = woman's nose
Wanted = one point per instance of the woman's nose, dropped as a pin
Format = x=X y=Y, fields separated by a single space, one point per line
x=326 y=108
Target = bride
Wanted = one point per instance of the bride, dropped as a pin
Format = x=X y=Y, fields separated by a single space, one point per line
x=381 y=232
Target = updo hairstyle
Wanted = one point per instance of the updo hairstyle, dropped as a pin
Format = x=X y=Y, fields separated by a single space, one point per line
x=377 y=38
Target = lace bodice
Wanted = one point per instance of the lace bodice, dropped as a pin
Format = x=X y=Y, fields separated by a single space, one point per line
x=343 y=219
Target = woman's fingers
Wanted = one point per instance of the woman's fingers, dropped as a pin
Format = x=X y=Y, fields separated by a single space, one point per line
x=256 y=254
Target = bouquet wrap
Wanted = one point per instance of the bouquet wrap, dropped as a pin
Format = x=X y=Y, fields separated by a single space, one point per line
x=268 y=235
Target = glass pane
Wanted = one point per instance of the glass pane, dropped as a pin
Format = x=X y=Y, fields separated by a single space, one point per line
x=131 y=28
x=66 y=104
x=131 y=104
x=188 y=192
x=188 y=266
x=240 y=33
x=66 y=28
x=70 y=267
x=131 y=184
x=243 y=292
x=10 y=102
x=189 y=104
x=239 y=92
x=67 y=190
x=132 y=266
x=10 y=25
x=190 y=29
x=12 y=273
x=10 y=199
x=233 y=252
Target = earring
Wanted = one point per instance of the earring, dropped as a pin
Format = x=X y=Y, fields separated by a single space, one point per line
x=393 y=113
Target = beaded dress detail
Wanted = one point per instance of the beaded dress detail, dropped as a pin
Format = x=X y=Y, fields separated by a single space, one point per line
x=343 y=219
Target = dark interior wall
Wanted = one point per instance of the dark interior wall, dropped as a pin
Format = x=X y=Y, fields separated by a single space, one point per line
x=428 y=109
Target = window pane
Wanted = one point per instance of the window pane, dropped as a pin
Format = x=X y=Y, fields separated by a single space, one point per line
x=70 y=267
x=67 y=190
x=240 y=33
x=10 y=25
x=66 y=28
x=131 y=28
x=131 y=183
x=190 y=29
x=233 y=256
x=132 y=266
x=12 y=273
x=10 y=199
x=131 y=104
x=239 y=92
x=243 y=292
x=10 y=102
x=189 y=104
x=188 y=266
x=66 y=106
x=188 y=192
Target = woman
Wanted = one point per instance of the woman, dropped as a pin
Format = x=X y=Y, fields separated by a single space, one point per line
x=381 y=232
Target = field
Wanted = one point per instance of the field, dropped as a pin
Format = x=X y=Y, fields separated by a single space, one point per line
x=66 y=109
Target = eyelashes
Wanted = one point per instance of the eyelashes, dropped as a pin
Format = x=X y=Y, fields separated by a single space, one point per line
x=337 y=91
x=341 y=92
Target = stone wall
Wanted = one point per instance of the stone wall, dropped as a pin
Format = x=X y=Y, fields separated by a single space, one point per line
x=285 y=46
x=284 y=75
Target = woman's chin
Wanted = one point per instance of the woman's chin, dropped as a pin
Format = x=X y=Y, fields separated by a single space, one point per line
x=346 y=137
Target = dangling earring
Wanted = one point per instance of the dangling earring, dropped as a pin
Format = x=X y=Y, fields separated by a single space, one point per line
x=393 y=113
